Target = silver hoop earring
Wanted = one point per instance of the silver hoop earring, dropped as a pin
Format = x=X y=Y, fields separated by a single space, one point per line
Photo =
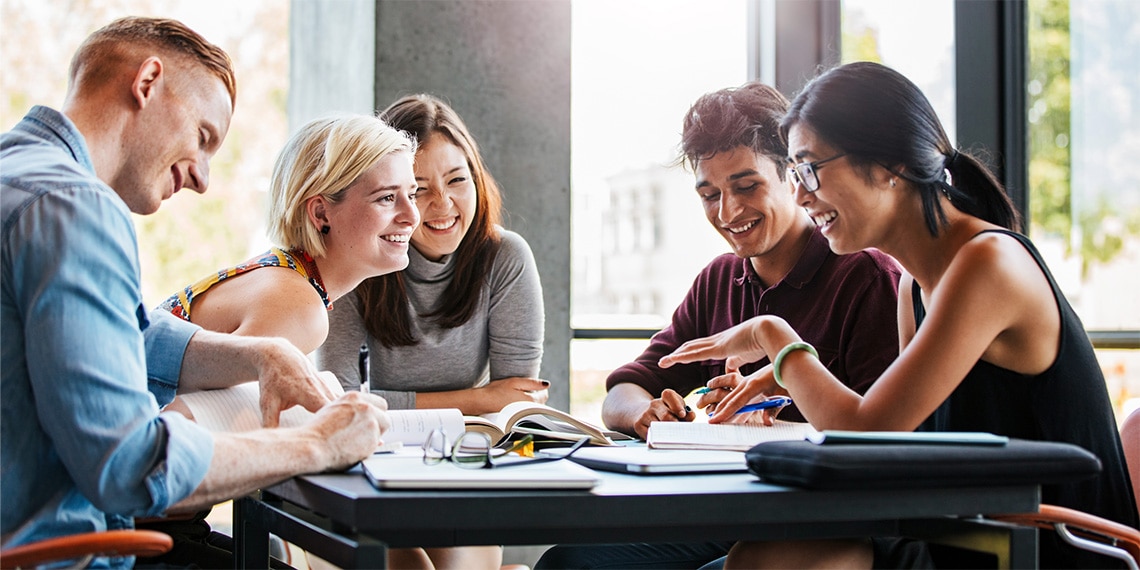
x=892 y=183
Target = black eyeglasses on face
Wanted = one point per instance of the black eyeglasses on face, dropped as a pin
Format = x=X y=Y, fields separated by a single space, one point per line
x=806 y=173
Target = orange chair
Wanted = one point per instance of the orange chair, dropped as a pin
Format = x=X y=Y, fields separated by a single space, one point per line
x=1091 y=532
x=86 y=546
x=1085 y=531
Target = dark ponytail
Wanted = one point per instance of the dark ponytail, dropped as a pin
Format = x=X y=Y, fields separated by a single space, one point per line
x=988 y=200
x=878 y=116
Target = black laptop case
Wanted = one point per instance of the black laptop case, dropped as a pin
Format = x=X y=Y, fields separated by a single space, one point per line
x=916 y=465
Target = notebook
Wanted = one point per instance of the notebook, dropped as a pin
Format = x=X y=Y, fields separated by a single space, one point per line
x=644 y=461
x=408 y=471
x=735 y=437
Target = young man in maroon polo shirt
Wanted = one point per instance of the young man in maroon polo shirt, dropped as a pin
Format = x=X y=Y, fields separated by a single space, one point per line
x=844 y=305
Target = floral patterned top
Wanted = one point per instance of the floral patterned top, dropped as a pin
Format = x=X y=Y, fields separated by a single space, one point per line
x=180 y=303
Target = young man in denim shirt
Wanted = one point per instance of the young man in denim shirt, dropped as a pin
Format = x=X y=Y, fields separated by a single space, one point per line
x=84 y=368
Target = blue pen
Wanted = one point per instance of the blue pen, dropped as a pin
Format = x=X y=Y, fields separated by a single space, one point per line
x=773 y=402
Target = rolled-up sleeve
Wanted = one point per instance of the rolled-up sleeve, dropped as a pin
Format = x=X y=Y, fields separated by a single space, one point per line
x=166 y=339
x=77 y=286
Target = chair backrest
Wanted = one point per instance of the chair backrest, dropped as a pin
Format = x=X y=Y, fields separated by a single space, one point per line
x=1130 y=439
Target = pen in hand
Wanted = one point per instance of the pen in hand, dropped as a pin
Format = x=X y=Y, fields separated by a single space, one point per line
x=705 y=390
x=773 y=402
x=365 y=369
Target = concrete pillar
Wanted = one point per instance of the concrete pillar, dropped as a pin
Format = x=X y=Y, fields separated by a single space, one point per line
x=331 y=58
x=504 y=65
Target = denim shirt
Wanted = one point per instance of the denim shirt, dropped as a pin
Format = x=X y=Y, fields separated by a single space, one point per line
x=83 y=370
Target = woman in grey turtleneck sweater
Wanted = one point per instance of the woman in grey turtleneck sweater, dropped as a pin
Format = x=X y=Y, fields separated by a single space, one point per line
x=462 y=327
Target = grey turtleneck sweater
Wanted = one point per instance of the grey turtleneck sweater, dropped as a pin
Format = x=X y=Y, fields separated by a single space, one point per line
x=503 y=338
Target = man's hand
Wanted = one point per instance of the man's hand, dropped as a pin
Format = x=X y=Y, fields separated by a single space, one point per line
x=352 y=427
x=342 y=433
x=288 y=378
x=670 y=407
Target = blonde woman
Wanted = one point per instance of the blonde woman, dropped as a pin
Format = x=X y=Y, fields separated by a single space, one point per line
x=342 y=209
x=462 y=327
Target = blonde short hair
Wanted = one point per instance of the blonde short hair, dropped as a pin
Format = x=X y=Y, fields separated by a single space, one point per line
x=324 y=158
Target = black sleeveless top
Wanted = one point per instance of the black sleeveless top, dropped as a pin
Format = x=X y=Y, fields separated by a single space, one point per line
x=1068 y=403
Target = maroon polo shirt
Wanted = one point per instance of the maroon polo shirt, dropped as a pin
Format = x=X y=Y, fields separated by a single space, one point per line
x=844 y=305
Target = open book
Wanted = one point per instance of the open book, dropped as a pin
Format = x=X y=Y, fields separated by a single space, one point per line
x=237 y=409
x=541 y=421
x=739 y=437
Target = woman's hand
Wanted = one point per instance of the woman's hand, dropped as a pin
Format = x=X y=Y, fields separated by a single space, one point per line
x=717 y=390
x=737 y=346
x=498 y=393
x=755 y=387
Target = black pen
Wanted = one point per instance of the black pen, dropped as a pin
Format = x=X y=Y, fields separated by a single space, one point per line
x=365 y=369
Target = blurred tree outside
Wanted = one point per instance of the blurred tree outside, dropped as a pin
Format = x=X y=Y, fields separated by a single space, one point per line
x=1096 y=231
x=859 y=40
x=191 y=235
x=1050 y=203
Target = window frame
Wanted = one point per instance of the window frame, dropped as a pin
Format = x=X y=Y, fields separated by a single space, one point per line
x=991 y=63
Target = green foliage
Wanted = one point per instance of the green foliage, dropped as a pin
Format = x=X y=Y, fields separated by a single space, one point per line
x=1096 y=232
x=1050 y=167
x=860 y=42
x=1104 y=229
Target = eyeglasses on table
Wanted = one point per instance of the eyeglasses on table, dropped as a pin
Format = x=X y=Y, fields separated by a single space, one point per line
x=474 y=450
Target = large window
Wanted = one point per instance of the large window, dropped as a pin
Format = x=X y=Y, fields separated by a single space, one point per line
x=1083 y=100
x=884 y=31
x=191 y=235
x=639 y=233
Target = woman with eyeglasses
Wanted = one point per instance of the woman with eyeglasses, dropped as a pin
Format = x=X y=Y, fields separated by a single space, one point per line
x=988 y=341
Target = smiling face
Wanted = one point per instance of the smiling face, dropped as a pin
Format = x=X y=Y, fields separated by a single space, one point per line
x=446 y=197
x=372 y=224
x=852 y=209
x=170 y=143
x=747 y=203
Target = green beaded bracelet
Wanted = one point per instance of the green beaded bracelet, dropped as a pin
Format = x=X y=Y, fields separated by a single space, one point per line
x=784 y=352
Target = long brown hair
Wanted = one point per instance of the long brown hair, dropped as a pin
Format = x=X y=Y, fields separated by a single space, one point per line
x=384 y=302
